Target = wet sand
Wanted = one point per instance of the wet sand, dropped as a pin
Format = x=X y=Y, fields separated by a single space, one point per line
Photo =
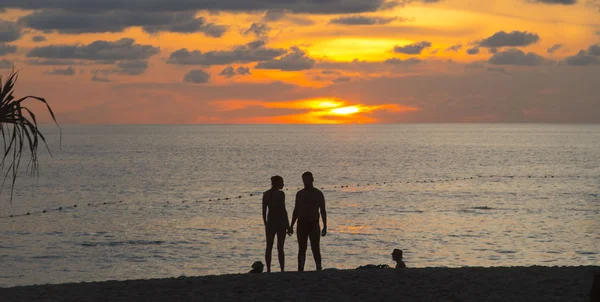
x=419 y=284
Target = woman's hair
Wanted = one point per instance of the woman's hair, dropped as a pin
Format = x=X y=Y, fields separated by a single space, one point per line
x=275 y=179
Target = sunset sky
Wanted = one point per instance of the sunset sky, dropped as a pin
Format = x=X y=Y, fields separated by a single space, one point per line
x=306 y=61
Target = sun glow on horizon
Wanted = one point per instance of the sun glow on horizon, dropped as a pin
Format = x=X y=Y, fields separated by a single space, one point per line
x=346 y=110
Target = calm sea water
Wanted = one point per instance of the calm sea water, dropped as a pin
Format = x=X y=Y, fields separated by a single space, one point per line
x=540 y=207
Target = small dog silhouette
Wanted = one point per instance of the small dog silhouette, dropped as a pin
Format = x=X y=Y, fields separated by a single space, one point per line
x=257 y=267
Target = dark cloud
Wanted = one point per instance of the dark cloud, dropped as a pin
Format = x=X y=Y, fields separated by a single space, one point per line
x=9 y=31
x=362 y=20
x=295 y=60
x=342 y=79
x=329 y=71
x=243 y=71
x=123 y=49
x=473 y=51
x=97 y=78
x=252 y=52
x=4 y=63
x=192 y=25
x=258 y=29
x=412 y=49
x=309 y=7
x=132 y=67
x=69 y=71
x=119 y=20
x=496 y=69
x=563 y=2
x=230 y=72
x=554 y=48
x=196 y=76
x=517 y=57
x=396 y=61
x=454 y=48
x=38 y=39
x=594 y=50
x=512 y=39
x=53 y=62
x=274 y=15
x=583 y=58
x=7 y=49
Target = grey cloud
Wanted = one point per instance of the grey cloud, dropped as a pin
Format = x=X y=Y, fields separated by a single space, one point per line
x=342 y=79
x=97 y=78
x=38 y=39
x=9 y=31
x=582 y=59
x=53 y=62
x=496 y=69
x=230 y=72
x=554 y=48
x=193 y=25
x=473 y=51
x=123 y=49
x=196 y=76
x=119 y=20
x=274 y=15
x=454 y=48
x=362 y=20
x=132 y=67
x=563 y=2
x=4 y=63
x=293 y=61
x=309 y=7
x=412 y=49
x=7 y=49
x=517 y=57
x=251 y=52
x=243 y=71
x=512 y=39
x=594 y=50
x=69 y=71
x=329 y=71
x=258 y=29
x=396 y=61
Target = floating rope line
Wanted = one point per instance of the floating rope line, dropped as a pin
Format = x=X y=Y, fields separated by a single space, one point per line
x=328 y=188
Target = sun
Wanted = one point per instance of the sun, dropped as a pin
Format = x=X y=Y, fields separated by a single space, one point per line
x=346 y=110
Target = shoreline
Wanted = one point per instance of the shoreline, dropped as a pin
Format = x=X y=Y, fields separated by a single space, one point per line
x=535 y=283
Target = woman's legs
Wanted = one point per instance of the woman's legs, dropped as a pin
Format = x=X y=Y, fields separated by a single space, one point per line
x=280 y=243
x=270 y=233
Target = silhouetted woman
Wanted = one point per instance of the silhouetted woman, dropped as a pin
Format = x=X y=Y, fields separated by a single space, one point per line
x=276 y=221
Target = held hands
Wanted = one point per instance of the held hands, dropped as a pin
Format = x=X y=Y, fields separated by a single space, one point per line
x=324 y=231
x=290 y=231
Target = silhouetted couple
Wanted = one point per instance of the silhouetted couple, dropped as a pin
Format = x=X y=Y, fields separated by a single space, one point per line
x=309 y=202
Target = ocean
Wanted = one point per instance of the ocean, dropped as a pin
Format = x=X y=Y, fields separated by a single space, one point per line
x=137 y=202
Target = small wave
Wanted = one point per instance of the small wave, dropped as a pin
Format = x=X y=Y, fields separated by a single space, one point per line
x=48 y=257
x=586 y=253
x=409 y=211
x=120 y=243
x=482 y=208
x=506 y=252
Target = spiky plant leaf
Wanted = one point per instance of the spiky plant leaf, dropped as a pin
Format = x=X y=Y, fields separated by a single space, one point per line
x=20 y=131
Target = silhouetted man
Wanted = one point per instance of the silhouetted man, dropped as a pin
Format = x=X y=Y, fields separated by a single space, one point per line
x=308 y=203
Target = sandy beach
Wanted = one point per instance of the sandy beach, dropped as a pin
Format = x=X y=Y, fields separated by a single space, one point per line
x=420 y=284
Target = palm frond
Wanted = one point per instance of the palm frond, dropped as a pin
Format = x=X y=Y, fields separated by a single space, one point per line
x=20 y=131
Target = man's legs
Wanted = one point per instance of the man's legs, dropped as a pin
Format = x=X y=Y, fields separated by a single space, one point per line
x=315 y=240
x=302 y=234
